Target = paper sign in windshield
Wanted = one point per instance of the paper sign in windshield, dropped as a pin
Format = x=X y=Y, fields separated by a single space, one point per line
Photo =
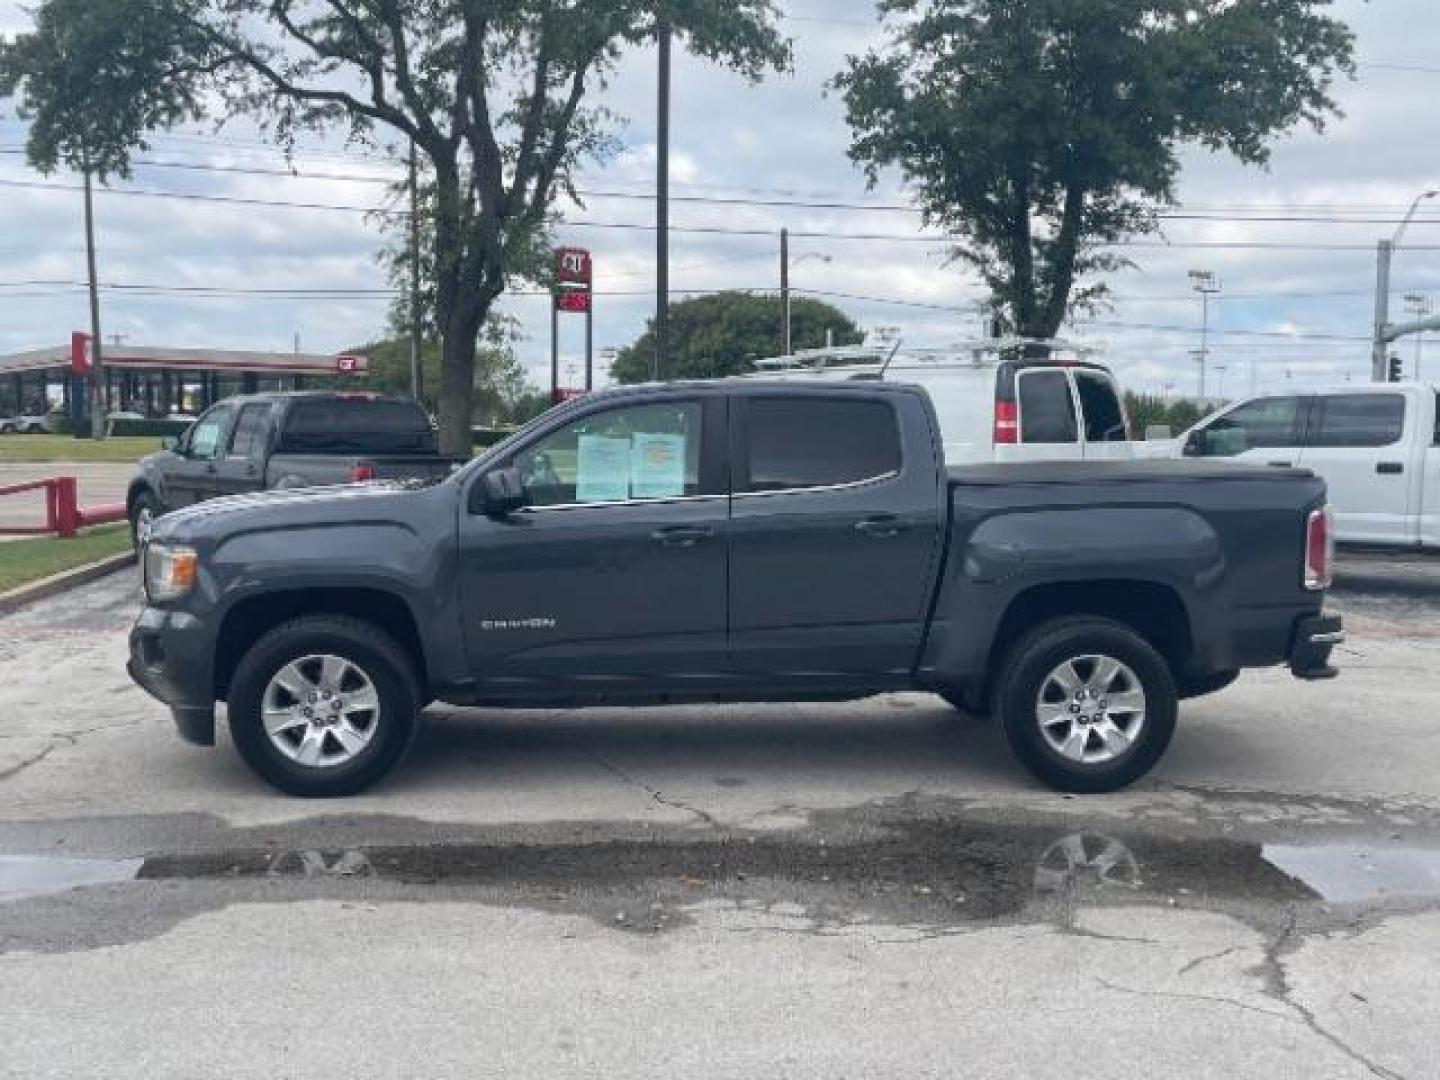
x=603 y=468
x=657 y=466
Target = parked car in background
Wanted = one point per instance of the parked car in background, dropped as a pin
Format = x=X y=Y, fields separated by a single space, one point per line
x=24 y=425
x=735 y=541
x=1376 y=445
x=286 y=440
x=990 y=409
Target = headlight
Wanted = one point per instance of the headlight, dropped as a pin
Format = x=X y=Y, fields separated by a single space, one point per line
x=169 y=571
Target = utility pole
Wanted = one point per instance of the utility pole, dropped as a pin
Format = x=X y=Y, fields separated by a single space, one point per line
x=1418 y=305
x=784 y=292
x=662 y=200
x=417 y=383
x=98 y=404
x=1207 y=285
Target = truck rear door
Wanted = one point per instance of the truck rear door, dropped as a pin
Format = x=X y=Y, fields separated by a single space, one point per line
x=834 y=528
x=1369 y=450
x=1107 y=435
x=1430 y=481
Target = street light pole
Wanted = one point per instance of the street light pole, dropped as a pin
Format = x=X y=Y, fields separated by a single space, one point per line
x=1207 y=285
x=662 y=200
x=1385 y=254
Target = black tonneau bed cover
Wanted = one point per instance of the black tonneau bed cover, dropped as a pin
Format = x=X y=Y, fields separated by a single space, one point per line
x=1110 y=472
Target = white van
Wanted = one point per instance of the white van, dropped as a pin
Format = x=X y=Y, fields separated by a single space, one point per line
x=989 y=409
x=1377 y=446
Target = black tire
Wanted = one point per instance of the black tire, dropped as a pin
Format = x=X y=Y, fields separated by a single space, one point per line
x=144 y=502
x=1024 y=675
x=378 y=656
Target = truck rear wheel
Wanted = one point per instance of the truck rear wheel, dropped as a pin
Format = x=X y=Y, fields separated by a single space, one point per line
x=1086 y=704
x=323 y=706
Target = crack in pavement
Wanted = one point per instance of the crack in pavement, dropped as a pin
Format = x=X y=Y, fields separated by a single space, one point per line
x=1181 y=995
x=656 y=795
x=16 y=770
x=1193 y=964
x=1275 y=984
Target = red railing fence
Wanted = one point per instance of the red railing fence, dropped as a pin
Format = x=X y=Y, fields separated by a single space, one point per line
x=64 y=516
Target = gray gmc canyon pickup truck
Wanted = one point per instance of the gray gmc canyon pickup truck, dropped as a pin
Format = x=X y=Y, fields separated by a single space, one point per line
x=285 y=440
x=734 y=541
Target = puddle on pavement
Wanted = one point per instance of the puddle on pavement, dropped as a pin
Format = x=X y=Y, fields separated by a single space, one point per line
x=1350 y=874
x=24 y=876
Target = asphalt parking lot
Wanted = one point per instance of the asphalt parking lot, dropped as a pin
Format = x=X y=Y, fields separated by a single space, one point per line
x=867 y=889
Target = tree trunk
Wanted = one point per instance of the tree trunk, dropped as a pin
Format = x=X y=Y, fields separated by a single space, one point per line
x=457 y=393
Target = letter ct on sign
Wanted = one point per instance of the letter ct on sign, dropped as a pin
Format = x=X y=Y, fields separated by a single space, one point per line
x=574 y=276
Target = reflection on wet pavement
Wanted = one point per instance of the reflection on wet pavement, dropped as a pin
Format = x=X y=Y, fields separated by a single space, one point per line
x=1347 y=874
x=24 y=876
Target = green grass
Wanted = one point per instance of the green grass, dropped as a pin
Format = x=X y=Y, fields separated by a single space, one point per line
x=24 y=561
x=41 y=448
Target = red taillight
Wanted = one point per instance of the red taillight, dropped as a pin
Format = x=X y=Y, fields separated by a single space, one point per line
x=1319 y=549
x=362 y=472
x=1007 y=424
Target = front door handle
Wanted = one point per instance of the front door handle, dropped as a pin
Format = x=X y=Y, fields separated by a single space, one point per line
x=1389 y=468
x=882 y=526
x=1278 y=464
x=682 y=536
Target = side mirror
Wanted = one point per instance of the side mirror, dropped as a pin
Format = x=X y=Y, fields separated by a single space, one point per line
x=501 y=492
x=1195 y=444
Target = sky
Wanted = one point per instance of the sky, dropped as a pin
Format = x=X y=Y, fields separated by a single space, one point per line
x=1296 y=304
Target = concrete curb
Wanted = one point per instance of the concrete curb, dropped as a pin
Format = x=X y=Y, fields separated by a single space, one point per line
x=58 y=583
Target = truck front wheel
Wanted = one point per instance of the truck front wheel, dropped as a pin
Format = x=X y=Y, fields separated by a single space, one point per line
x=1086 y=704
x=324 y=705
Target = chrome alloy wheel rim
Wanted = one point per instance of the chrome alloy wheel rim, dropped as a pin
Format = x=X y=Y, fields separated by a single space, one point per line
x=321 y=711
x=1091 y=709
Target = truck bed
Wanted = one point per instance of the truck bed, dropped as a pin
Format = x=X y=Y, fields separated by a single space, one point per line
x=1111 y=472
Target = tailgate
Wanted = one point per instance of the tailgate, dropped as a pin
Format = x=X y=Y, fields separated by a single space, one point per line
x=403 y=467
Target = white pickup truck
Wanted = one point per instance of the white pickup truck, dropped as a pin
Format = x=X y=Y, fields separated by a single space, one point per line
x=1377 y=446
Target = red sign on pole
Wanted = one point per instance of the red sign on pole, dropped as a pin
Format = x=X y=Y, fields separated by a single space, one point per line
x=573 y=300
x=572 y=266
x=80 y=354
x=346 y=364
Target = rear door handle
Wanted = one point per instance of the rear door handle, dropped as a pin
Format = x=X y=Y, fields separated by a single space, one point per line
x=1278 y=464
x=882 y=526
x=682 y=536
x=1389 y=468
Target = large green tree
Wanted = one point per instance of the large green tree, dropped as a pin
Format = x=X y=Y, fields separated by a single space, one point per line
x=714 y=336
x=496 y=95
x=1041 y=132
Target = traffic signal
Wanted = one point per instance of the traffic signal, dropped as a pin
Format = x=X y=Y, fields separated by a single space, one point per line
x=1394 y=372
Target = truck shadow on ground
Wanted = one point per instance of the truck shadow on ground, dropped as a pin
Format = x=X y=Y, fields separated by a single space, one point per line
x=906 y=737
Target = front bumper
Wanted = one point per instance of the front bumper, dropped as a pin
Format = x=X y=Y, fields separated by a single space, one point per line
x=1314 y=637
x=170 y=659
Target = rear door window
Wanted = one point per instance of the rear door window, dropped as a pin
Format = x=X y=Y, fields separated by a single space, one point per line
x=1268 y=422
x=807 y=442
x=1047 y=407
x=251 y=428
x=1104 y=418
x=1357 y=420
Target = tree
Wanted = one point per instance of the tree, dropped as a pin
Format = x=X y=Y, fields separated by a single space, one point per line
x=721 y=334
x=1041 y=132
x=1152 y=410
x=501 y=390
x=492 y=93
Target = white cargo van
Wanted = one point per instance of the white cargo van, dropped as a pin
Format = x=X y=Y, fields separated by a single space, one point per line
x=989 y=409
x=1377 y=446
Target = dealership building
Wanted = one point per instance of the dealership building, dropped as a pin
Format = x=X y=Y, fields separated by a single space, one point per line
x=156 y=380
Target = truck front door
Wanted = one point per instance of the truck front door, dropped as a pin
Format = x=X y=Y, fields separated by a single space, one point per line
x=611 y=579
x=191 y=476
